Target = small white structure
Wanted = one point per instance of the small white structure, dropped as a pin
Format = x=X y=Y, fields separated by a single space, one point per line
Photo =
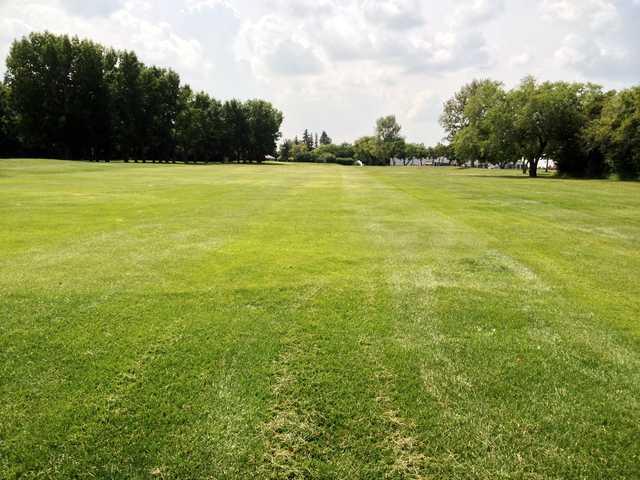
x=405 y=162
x=359 y=163
x=419 y=162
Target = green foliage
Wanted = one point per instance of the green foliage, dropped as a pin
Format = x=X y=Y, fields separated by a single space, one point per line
x=618 y=132
x=455 y=116
x=59 y=94
x=386 y=144
x=9 y=142
x=264 y=123
x=325 y=153
x=305 y=156
x=325 y=139
x=284 y=152
x=200 y=128
x=547 y=115
x=344 y=150
x=325 y=157
x=307 y=140
x=368 y=151
x=345 y=160
x=467 y=144
x=500 y=133
x=390 y=142
x=388 y=129
x=414 y=151
x=297 y=151
x=553 y=120
x=160 y=109
x=474 y=141
x=581 y=155
x=124 y=72
x=75 y=99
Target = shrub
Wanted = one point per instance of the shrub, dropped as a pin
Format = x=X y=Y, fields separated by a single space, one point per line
x=305 y=156
x=325 y=158
x=344 y=161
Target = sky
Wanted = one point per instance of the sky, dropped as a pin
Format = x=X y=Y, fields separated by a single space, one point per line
x=337 y=65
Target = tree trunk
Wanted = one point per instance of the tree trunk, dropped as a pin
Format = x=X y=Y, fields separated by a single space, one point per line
x=533 y=169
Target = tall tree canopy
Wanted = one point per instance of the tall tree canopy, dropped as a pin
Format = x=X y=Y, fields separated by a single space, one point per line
x=307 y=139
x=9 y=142
x=73 y=98
x=617 y=131
x=552 y=120
x=390 y=142
x=546 y=115
x=264 y=129
x=367 y=150
x=473 y=141
x=455 y=117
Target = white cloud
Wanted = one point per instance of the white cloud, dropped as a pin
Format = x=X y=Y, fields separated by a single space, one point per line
x=394 y=14
x=359 y=32
x=597 y=14
x=273 y=45
x=473 y=12
x=423 y=106
x=600 y=36
x=92 y=9
x=337 y=64
x=520 y=60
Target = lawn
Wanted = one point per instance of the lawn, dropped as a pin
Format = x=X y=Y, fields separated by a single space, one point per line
x=316 y=321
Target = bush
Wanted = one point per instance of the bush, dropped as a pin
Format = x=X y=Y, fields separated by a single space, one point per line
x=325 y=158
x=576 y=161
x=618 y=132
x=344 y=161
x=306 y=157
x=343 y=150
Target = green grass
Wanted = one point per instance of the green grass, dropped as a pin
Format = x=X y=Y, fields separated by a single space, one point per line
x=315 y=321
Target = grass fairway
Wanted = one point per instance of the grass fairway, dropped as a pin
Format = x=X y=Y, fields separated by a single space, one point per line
x=315 y=321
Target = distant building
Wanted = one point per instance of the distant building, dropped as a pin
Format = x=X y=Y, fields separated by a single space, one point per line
x=420 y=162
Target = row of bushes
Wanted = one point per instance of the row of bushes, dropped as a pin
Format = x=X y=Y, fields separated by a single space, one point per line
x=323 y=157
x=295 y=151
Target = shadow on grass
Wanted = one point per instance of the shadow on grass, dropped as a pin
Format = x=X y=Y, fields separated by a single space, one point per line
x=151 y=162
x=550 y=177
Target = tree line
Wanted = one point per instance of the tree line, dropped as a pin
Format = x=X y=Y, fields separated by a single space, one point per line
x=315 y=149
x=585 y=130
x=387 y=143
x=70 y=98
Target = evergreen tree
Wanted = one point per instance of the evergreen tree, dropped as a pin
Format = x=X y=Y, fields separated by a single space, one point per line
x=325 y=139
x=307 y=139
x=284 y=154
